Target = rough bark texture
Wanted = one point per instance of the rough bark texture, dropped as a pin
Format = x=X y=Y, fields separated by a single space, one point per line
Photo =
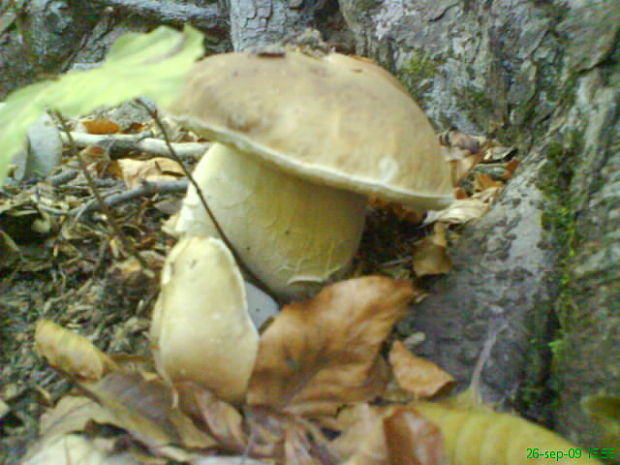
x=256 y=23
x=39 y=38
x=542 y=75
x=545 y=260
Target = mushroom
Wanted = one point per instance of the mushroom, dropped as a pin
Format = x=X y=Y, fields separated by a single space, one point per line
x=302 y=142
x=201 y=330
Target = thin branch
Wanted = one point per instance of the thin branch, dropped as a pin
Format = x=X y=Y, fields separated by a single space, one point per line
x=137 y=142
x=147 y=188
x=107 y=211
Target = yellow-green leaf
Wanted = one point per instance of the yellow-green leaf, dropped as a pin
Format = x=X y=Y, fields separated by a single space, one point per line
x=152 y=65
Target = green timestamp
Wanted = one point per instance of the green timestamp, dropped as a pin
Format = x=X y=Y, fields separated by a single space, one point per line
x=572 y=453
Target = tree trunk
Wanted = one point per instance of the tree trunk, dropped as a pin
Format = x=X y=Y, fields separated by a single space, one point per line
x=545 y=260
x=539 y=74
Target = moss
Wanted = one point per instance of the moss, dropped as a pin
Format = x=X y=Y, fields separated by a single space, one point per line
x=559 y=220
x=367 y=5
x=417 y=72
x=478 y=105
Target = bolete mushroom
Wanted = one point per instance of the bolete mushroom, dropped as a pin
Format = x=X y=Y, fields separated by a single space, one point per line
x=201 y=330
x=303 y=141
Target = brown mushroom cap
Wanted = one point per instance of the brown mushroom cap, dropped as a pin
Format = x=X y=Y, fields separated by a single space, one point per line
x=337 y=121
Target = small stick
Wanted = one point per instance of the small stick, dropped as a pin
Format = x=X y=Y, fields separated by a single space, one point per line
x=147 y=188
x=137 y=142
x=107 y=211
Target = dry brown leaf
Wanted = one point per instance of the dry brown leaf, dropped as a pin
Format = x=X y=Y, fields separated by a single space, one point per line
x=459 y=212
x=511 y=167
x=462 y=167
x=220 y=419
x=453 y=138
x=146 y=409
x=388 y=435
x=71 y=353
x=72 y=414
x=421 y=377
x=153 y=170
x=100 y=126
x=483 y=181
x=497 y=152
x=413 y=440
x=430 y=255
x=320 y=354
x=488 y=195
x=72 y=449
x=363 y=440
x=286 y=438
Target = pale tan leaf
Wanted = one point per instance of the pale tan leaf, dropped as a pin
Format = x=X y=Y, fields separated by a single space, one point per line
x=73 y=449
x=430 y=259
x=146 y=409
x=459 y=212
x=413 y=440
x=389 y=435
x=322 y=353
x=363 y=440
x=421 y=377
x=70 y=352
x=72 y=414
x=153 y=170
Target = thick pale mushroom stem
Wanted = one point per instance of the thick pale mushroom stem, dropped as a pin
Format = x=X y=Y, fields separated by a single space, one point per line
x=294 y=235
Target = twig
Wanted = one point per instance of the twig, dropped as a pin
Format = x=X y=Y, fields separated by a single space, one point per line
x=107 y=211
x=137 y=142
x=167 y=12
x=147 y=188
x=244 y=267
x=62 y=178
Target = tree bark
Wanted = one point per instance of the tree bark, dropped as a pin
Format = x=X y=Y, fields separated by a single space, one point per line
x=542 y=75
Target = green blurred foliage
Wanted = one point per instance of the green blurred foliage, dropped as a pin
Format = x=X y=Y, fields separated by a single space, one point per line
x=151 y=65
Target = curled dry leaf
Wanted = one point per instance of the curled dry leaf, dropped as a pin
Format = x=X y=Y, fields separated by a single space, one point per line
x=220 y=419
x=462 y=166
x=483 y=181
x=453 y=138
x=156 y=169
x=146 y=409
x=72 y=414
x=73 y=449
x=430 y=255
x=414 y=374
x=286 y=438
x=100 y=126
x=413 y=440
x=460 y=212
x=362 y=441
x=71 y=353
x=320 y=354
x=388 y=435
